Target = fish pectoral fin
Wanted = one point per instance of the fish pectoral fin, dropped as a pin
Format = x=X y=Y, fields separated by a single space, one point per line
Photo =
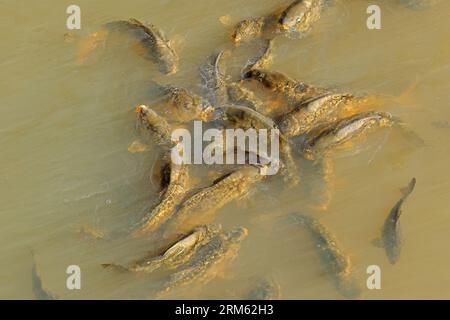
x=377 y=242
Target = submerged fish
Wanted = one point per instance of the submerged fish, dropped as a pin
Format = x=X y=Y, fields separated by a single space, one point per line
x=300 y=15
x=294 y=91
x=262 y=60
x=178 y=254
x=201 y=207
x=157 y=124
x=154 y=45
x=265 y=289
x=251 y=29
x=204 y=265
x=188 y=106
x=213 y=79
x=173 y=195
x=391 y=236
x=333 y=135
x=334 y=260
x=310 y=114
x=39 y=291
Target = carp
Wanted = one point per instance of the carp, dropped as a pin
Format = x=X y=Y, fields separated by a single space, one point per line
x=335 y=262
x=391 y=239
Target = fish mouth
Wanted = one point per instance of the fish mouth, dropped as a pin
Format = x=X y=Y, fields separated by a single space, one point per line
x=141 y=109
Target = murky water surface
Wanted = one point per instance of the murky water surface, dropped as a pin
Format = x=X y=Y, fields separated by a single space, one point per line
x=65 y=129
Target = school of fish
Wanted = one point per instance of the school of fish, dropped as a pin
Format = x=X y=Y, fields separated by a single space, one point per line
x=314 y=122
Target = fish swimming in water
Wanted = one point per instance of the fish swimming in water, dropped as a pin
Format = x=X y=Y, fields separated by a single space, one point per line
x=300 y=15
x=201 y=207
x=263 y=59
x=391 y=239
x=310 y=114
x=152 y=43
x=157 y=124
x=333 y=135
x=39 y=291
x=213 y=79
x=335 y=262
x=174 y=177
x=237 y=94
x=208 y=260
x=297 y=18
x=419 y=4
x=173 y=195
x=250 y=29
x=178 y=254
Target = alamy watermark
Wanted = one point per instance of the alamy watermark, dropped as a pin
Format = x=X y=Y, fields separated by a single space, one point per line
x=227 y=146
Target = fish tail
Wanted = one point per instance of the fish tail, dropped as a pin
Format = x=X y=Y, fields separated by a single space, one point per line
x=409 y=188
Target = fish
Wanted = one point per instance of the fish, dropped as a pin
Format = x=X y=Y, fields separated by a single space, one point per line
x=327 y=137
x=419 y=4
x=265 y=289
x=172 y=197
x=300 y=16
x=157 y=124
x=294 y=91
x=154 y=46
x=177 y=254
x=249 y=29
x=310 y=114
x=214 y=80
x=391 y=239
x=205 y=265
x=39 y=291
x=188 y=106
x=263 y=59
x=334 y=260
x=201 y=207
x=239 y=95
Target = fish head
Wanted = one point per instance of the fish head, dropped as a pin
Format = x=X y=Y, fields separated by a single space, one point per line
x=246 y=30
x=295 y=15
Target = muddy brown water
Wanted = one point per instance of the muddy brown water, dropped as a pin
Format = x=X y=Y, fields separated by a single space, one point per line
x=65 y=130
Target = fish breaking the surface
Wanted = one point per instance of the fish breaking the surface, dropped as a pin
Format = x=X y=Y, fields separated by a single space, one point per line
x=334 y=260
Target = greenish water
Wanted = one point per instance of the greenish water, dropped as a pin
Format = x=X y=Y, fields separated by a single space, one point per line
x=65 y=129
